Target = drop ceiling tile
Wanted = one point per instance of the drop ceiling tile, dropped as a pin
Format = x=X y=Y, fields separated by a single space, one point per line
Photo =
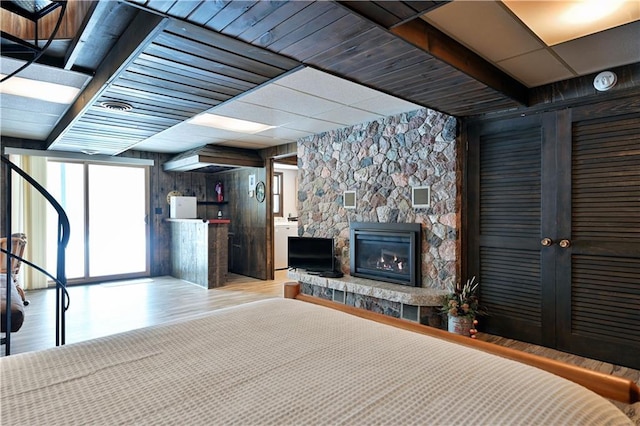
x=31 y=106
x=193 y=131
x=285 y=134
x=17 y=129
x=536 y=68
x=28 y=118
x=44 y=73
x=326 y=86
x=348 y=116
x=496 y=36
x=313 y=126
x=385 y=105
x=607 y=49
x=257 y=138
x=179 y=138
x=40 y=119
x=256 y=113
x=289 y=100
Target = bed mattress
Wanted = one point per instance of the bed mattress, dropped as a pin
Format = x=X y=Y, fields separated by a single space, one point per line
x=281 y=361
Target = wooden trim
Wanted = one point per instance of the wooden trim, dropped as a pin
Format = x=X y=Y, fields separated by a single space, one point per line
x=436 y=43
x=291 y=290
x=610 y=387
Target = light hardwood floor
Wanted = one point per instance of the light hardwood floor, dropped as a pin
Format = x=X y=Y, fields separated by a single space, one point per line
x=102 y=309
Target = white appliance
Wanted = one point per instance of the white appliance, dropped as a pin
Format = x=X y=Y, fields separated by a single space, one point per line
x=282 y=232
x=183 y=208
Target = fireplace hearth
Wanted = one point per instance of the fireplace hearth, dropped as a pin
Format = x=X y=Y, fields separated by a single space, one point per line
x=386 y=252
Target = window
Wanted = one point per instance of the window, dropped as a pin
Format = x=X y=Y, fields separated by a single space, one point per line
x=277 y=194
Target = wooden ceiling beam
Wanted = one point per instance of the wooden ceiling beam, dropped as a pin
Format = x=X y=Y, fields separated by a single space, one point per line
x=138 y=35
x=391 y=13
x=439 y=45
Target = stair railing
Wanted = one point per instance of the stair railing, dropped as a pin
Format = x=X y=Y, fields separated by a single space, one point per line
x=62 y=296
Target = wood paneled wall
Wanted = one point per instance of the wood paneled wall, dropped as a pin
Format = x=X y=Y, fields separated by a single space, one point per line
x=197 y=184
x=248 y=228
x=25 y=29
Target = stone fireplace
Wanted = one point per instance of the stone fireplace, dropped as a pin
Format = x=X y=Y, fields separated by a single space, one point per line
x=386 y=251
x=382 y=161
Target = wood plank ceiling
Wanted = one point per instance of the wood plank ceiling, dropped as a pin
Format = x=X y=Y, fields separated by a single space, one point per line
x=175 y=72
x=177 y=59
x=353 y=40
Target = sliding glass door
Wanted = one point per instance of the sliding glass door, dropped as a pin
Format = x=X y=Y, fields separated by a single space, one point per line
x=66 y=182
x=107 y=209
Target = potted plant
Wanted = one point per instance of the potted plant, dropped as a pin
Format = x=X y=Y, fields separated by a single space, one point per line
x=461 y=306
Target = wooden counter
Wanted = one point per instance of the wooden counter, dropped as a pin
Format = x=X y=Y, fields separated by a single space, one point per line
x=199 y=250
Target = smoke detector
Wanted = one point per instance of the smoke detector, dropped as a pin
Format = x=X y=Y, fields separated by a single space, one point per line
x=605 y=81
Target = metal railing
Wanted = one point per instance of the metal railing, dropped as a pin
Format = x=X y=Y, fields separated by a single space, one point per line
x=62 y=296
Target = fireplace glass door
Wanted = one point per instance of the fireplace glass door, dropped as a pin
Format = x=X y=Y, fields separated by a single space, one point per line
x=386 y=252
x=384 y=256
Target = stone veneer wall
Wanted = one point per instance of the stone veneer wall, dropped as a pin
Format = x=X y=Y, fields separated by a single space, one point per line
x=382 y=160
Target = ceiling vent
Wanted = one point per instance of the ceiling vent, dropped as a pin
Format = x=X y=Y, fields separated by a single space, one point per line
x=116 y=106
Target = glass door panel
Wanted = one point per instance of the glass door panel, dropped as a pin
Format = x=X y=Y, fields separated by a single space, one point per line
x=117 y=228
x=107 y=209
x=65 y=181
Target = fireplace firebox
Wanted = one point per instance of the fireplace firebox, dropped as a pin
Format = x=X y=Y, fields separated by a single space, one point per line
x=386 y=252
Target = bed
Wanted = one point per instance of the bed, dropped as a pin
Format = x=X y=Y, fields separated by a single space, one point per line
x=285 y=361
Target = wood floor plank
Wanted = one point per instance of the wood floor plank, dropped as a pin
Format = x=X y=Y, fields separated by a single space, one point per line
x=98 y=310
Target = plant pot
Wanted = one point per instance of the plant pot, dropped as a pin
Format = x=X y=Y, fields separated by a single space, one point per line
x=460 y=325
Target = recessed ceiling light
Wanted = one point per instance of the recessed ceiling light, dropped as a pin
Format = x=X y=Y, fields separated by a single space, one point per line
x=590 y=10
x=560 y=21
x=227 y=123
x=41 y=90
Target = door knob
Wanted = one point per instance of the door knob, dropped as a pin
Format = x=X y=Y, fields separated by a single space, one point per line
x=546 y=242
x=564 y=243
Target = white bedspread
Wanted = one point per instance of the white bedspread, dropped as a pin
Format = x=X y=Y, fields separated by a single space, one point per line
x=282 y=362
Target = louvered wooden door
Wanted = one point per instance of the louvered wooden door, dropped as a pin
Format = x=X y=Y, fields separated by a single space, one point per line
x=509 y=177
x=599 y=313
x=562 y=176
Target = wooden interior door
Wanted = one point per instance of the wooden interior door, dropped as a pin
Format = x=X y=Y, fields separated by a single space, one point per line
x=572 y=177
x=511 y=187
x=599 y=313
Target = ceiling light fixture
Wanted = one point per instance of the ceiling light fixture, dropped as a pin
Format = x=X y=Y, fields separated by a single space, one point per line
x=587 y=11
x=560 y=21
x=227 y=123
x=41 y=90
